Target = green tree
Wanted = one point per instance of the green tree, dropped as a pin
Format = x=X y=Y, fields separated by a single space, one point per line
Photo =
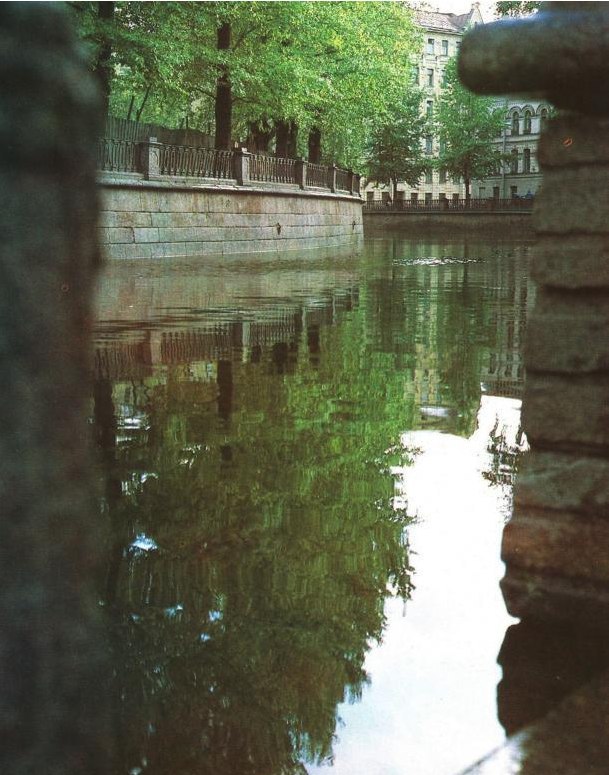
x=517 y=8
x=467 y=126
x=395 y=149
x=307 y=71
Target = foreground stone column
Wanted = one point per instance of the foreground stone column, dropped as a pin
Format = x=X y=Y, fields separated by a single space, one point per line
x=556 y=547
x=53 y=709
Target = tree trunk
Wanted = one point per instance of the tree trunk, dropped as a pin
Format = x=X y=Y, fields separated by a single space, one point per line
x=224 y=99
x=103 y=66
x=287 y=135
x=259 y=136
x=467 y=182
x=140 y=110
x=315 y=145
x=293 y=140
x=282 y=129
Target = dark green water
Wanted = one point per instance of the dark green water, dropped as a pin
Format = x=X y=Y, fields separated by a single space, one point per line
x=307 y=462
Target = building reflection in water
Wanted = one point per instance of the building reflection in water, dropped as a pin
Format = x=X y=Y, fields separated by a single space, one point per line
x=249 y=422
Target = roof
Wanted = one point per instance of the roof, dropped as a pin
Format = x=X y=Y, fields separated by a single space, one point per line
x=448 y=22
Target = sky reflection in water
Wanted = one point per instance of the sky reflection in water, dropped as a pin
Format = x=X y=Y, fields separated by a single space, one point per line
x=282 y=441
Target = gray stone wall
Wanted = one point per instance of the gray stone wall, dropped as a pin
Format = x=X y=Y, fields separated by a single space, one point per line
x=154 y=220
x=556 y=547
x=519 y=225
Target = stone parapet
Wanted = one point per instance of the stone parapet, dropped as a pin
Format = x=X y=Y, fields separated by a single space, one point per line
x=146 y=219
x=557 y=544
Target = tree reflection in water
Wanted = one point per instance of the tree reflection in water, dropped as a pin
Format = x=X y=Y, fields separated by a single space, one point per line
x=255 y=530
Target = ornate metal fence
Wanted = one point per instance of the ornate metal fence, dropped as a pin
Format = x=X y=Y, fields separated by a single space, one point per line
x=117 y=155
x=185 y=161
x=343 y=180
x=154 y=159
x=515 y=204
x=272 y=169
x=317 y=175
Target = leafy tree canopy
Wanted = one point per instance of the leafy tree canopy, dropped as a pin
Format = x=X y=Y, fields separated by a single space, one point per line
x=395 y=152
x=324 y=65
x=467 y=126
x=516 y=8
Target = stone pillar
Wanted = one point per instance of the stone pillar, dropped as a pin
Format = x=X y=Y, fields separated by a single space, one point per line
x=53 y=697
x=150 y=158
x=301 y=172
x=332 y=178
x=357 y=184
x=556 y=547
x=242 y=166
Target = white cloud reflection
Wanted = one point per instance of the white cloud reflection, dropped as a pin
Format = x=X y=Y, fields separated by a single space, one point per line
x=431 y=706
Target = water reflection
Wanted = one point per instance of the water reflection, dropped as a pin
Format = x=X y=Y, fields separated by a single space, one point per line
x=251 y=421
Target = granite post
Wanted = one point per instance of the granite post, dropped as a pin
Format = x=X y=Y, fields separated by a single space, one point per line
x=556 y=546
x=53 y=709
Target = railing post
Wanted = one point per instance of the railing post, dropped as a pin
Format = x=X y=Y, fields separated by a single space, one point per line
x=300 y=172
x=242 y=166
x=350 y=181
x=150 y=158
x=332 y=178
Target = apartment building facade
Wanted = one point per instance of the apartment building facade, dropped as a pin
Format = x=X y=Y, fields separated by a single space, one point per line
x=519 y=176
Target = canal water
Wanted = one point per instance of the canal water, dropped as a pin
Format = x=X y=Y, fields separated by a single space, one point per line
x=306 y=462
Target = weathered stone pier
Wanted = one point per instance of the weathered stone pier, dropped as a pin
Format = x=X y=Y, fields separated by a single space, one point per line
x=556 y=546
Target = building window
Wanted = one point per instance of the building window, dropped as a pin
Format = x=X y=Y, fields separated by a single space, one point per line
x=430 y=46
x=429 y=176
x=416 y=74
x=385 y=196
x=526 y=160
x=399 y=196
x=515 y=124
x=495 y=192
x=429 y=108
x=442 y=197
x=455 y=197
x=414 y=197
x=442 y=176
x=428 y=196
x=526 y=129
x=429 y=144
x=543 y=119
x=445 y=48
x=514 y=161
x=430 y=76
x=369 y=196
x=513 y=191
x=482 y=192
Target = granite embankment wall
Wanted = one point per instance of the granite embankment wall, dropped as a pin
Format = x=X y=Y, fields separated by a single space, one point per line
x=153 y=219
x=518 y=224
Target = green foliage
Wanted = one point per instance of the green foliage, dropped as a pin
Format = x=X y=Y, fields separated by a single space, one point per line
x=515 y=8
x=395 y=152
x=329 y=65
x=467 y=127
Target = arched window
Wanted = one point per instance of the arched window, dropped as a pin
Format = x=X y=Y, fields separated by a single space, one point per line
x=526 y=160
x=526 y=130
x=543 y=119
x=514 y=161
x=516 y=124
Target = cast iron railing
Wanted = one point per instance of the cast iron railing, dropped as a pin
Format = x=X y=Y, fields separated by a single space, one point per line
x=117 y=156
x=186 y=161
x=514 y=204
x=157 y=160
